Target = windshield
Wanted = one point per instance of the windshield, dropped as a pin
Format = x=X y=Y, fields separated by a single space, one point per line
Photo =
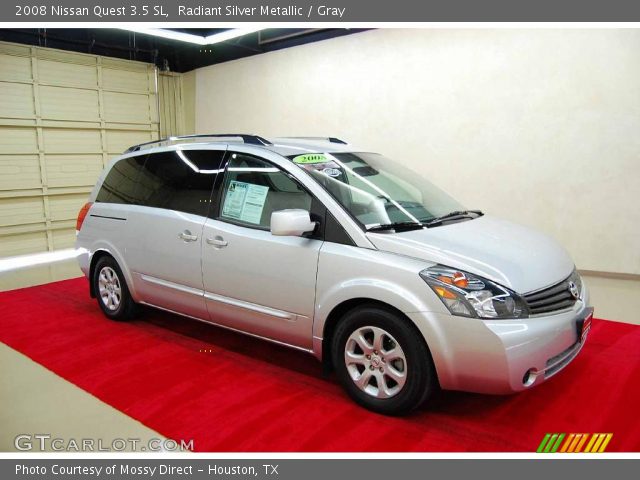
x=377 y=191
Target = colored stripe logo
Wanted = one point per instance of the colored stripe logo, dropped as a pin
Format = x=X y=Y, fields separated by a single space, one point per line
x=574 y=443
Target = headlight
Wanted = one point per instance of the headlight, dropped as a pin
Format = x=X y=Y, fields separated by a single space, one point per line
x=468 y=295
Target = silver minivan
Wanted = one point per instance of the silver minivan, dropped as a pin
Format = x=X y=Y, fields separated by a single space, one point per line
x=342 y=253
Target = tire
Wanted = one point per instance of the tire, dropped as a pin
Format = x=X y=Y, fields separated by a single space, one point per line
x=112 y=291
x=395 y=384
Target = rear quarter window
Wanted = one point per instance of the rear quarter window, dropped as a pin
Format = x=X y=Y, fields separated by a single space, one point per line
x=119 y=186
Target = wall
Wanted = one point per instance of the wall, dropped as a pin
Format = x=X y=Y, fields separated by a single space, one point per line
x=537 y=126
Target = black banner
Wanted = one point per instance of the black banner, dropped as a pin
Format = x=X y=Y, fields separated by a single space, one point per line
x=317 y=469
x=300 y=11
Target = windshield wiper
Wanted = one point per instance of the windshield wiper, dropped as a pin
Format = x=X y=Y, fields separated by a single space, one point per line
x=401 y=226
x=453 y=216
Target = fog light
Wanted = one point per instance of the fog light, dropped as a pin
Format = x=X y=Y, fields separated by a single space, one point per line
x=529 y=377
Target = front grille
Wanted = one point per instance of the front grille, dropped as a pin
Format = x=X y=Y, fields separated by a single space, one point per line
x=553 y=298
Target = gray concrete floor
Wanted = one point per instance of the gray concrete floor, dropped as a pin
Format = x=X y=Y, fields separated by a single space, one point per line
x=34 y=400
x=39 y=275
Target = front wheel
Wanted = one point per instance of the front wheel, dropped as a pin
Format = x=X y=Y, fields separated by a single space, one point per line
x=111 y=290
x=382 y=361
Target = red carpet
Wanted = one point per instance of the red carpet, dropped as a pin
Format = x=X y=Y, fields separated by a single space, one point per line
x=249 y=395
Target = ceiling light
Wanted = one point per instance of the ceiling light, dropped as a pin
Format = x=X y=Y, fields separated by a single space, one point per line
x=170 y=34
x=229 y=34
x=191 y=38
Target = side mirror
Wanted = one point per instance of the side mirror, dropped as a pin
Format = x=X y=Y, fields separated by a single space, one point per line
x=292 y=222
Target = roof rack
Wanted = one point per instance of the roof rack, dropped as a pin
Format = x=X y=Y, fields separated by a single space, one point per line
x=326 y=139
x=251 y=139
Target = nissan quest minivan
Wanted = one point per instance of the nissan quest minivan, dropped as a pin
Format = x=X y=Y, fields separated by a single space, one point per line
x=339 y=252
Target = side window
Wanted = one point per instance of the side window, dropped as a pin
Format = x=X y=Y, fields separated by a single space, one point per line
x=254 y=189
x=120 y=184
x=179 y=180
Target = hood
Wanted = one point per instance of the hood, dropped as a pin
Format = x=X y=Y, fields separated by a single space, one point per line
x=515 y=256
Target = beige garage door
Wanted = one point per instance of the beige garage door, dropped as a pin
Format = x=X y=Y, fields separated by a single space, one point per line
x=62 y=117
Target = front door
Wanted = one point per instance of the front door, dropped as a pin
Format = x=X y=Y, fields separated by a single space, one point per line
x=254 y=281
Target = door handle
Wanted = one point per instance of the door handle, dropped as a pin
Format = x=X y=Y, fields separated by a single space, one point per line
x=187 y=237
x=217 y=242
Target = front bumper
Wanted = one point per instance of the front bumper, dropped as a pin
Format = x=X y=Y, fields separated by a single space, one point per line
x=503 y=356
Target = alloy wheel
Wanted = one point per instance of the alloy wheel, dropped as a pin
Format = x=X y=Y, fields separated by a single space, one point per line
x=109 y=288
x=375 y=362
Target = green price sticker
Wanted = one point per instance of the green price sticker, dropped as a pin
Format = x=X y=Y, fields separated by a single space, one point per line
x=310 y=158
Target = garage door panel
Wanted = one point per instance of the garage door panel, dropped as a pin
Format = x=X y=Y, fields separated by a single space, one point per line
x=65 y=56
x=66 y=207
x=153 y=109
x=15 y=49
x=63 y=103
x=63 y=238
x=21 y=210
x=16 y=100
x=67 y=74
x=19 y=172
x=125 y=107
x=57 y=140
x=15 y=68
x=126 y=80
x=22 y=243
x=120 y=64
x=18 y=140
x=66 y=113
x=72 y=170
x=119 y=140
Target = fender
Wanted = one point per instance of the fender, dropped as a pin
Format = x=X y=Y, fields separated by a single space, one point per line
x=389 y=293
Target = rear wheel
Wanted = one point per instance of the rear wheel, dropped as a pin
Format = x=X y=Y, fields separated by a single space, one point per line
x=112 y=291
x=382 y=362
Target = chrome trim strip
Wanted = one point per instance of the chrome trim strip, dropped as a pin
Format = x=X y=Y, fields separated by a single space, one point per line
x=250 y=306
x=221 y=299
x=174 y=286
x=295 y=347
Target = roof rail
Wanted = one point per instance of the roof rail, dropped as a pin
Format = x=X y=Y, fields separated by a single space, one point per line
x=326 y=139
x=251 y=139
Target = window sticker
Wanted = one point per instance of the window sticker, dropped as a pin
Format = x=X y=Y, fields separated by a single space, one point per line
x=254 y=203
x=310 y=158
x=319 y=162
x=245 y=201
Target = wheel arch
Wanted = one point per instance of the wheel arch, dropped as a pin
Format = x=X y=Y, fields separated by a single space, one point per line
x=94 y=260
x=340 y=310
x=105 y=252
